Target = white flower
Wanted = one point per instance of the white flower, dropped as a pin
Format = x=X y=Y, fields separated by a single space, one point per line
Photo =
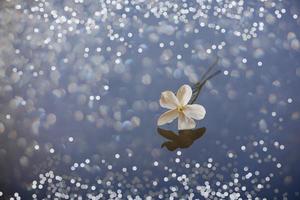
x=179 y=107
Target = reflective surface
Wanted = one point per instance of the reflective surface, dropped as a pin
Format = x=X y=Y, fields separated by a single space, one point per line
x=80 y=82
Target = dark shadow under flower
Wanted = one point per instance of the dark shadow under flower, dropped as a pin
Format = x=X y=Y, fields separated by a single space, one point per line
x=184 y=138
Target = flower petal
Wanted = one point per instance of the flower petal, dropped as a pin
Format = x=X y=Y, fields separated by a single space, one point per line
x=167 y=117
x=184 y=94
x=168 y=100
x=185 y=122
x=194 y=111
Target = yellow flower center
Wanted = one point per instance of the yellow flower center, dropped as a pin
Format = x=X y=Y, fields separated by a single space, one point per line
x=180 y=108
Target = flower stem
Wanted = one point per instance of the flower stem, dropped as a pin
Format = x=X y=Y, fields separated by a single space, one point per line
x=205 y=77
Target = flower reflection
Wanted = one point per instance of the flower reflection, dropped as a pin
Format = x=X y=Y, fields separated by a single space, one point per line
x=184 y=138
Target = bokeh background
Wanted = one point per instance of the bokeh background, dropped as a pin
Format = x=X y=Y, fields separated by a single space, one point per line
x=80 y=82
